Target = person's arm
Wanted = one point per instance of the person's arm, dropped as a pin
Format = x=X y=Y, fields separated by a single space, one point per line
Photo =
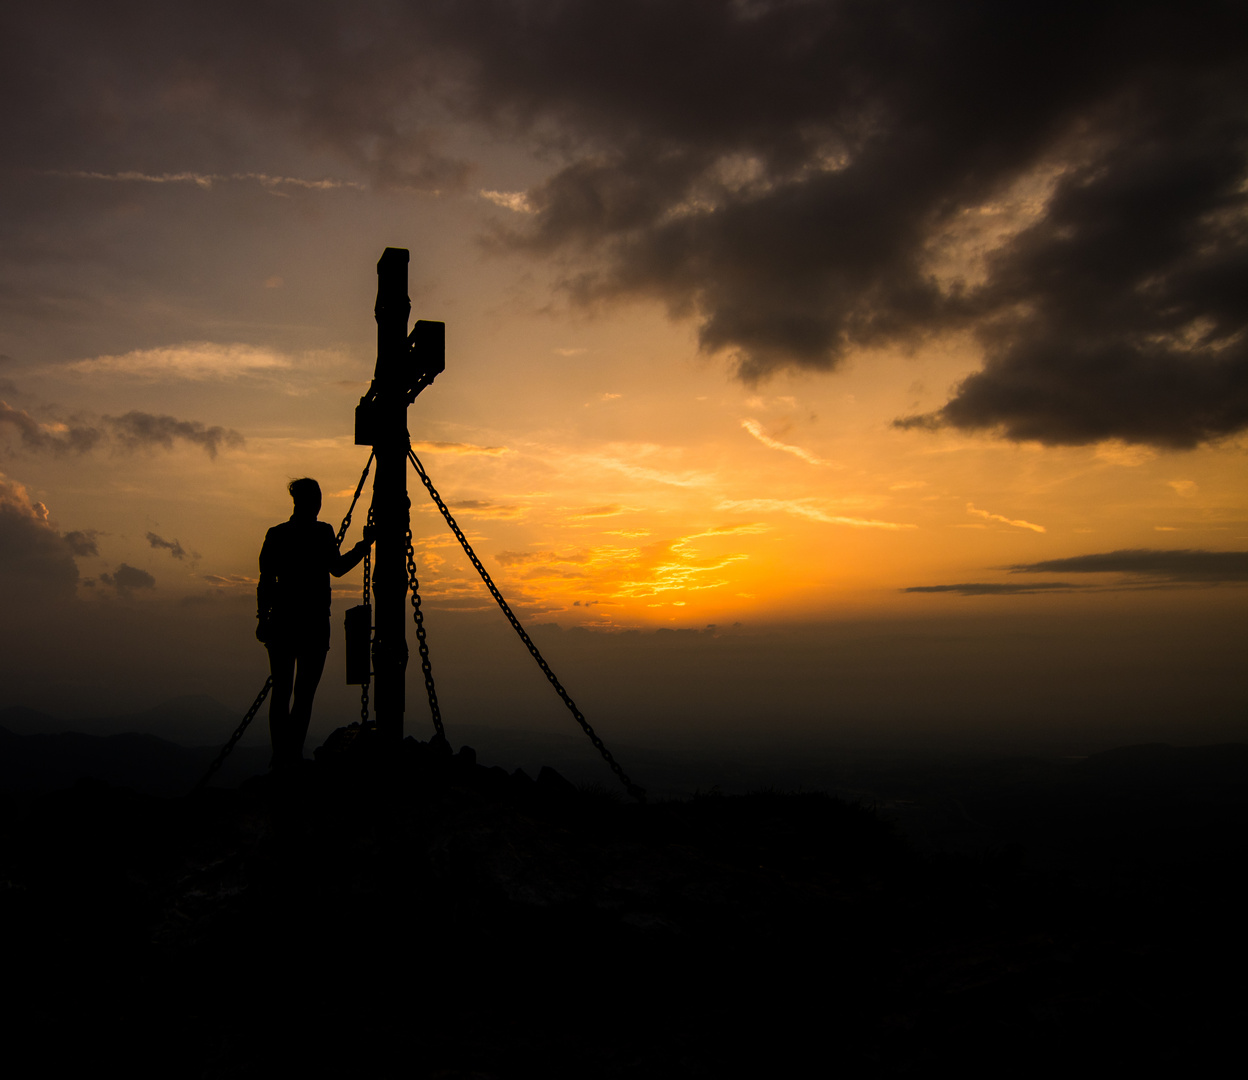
x=346 y=561
x=266 y=590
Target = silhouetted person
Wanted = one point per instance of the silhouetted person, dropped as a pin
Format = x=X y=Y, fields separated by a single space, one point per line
x=293 y=600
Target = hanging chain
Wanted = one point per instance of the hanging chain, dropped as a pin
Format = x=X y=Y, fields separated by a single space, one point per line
x=368 y=603
x=346 y=521
x=368 y=560
x=419 y=618
x=368 y=566
x=634 y=790
x=238 y=733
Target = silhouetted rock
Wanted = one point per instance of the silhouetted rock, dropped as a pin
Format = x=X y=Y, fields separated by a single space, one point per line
x=553 y=784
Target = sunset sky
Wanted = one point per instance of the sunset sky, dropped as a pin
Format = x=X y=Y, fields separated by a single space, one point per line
x=804 y=326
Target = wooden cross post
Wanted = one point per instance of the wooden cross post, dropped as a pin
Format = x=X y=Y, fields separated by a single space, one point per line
x=406 y=364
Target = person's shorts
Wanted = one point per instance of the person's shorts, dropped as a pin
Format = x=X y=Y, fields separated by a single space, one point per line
x=299 y=637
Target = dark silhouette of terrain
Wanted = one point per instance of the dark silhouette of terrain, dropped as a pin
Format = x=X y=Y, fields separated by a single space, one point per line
x=40 y=752
x=150 y=765
x=198 y=720
x=427 y=916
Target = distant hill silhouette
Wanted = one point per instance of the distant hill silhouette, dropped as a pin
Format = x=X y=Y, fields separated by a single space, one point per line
x=1209 y=773
x=956 y=804
x=144 y=763
x=189 y=720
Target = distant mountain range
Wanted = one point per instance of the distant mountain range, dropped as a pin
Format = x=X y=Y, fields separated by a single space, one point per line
x=141 y=762
x=198 y=720
x=40 y=752
x=957 y=804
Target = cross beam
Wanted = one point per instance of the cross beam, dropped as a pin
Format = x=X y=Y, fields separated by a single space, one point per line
x=406 y=364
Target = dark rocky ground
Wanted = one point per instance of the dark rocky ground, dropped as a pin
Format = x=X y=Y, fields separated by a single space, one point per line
x=425 y=916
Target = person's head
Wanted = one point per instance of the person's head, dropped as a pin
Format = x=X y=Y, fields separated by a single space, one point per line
x=307 y=495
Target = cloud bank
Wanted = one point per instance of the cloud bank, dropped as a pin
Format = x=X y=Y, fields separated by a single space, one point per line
x=140 y=429
x=991 y=589
x=36 y=562
x=133 y=431
x=1182 y=565
x=807 y=179
x=1066 y=183
x=1135 y=568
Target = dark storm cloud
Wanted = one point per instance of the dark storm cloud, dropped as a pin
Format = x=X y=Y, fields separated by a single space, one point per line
x=787 y=174
x=158 y=91
x=1131 y=311
x=35 y=560
x=784 y=172
x=140 y=429
x=1183 y=565
x=127 y=578
x=982 y=589
x=174 y=547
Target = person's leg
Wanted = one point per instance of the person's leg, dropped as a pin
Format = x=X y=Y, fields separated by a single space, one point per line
x=282 y=668
x=307 y=678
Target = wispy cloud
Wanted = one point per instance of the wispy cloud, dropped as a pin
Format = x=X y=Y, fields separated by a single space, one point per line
x=756 y=429
x=207 y=180
x=751 y=529
x=675 y=567
x=1018 y=524
x=591 y=513
x=988 y=589
x=485 y=509
x=194 y=360
x=806 y=508
x=457 y=448
x=606 y=572
x=230 y=581
x=1128 y=455
x=517 y=201
x=677 y=577
x=687 y=479
x=539 y=558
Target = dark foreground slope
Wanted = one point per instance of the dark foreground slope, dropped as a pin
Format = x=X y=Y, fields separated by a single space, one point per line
x=428 y=917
